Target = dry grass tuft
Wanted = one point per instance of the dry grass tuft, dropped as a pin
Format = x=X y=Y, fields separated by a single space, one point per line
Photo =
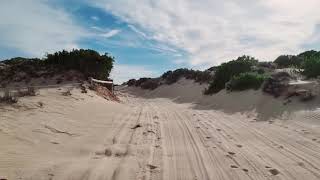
x=8 y=97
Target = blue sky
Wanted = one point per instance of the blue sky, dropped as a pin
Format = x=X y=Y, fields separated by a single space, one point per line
x=148 y=37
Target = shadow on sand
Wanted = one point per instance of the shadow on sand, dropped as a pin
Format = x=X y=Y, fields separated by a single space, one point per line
x=265 y=107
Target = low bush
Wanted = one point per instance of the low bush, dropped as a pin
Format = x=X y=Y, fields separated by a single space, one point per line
x=277 y=83
x=311 y=66
x=244 y=81
x=226 y=71
x=150 y=84
x=286 y=61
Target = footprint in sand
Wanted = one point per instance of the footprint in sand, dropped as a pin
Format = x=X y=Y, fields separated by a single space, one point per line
x=108 y=152
x=116 y=150
x=239 y=145
x=300 y=164
x=234 y=166
x=151 y=166
x=274 y=171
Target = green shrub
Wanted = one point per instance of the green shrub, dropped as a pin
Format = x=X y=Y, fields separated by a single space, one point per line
x=88 y=62
x=311 y=66
x=243 y=81
x=226 y=71
x=286 y=61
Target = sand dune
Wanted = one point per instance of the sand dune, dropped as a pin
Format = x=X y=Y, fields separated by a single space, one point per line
x=172 y=132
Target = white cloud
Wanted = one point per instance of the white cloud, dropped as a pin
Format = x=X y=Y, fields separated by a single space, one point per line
x=95 y=18
x=33 y=27
x=123 y=72
x=212 y=31
x=111 y=33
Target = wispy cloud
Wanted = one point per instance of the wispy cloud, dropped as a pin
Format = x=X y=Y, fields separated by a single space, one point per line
x=212 y=31
x=111 y=33
x=136 y=30
x=34 y=27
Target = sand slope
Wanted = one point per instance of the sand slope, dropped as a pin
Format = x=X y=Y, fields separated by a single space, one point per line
x=83 y=136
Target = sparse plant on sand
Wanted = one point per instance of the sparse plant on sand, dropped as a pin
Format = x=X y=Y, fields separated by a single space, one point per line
x=83 y=88
x=8 y=97
x=67 y=93
x=29 y=92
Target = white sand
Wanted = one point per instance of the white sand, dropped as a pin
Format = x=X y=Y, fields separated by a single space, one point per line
x=183 y=135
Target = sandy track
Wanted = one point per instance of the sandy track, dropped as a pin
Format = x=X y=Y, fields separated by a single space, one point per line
x=152 y=139
x=213 y=145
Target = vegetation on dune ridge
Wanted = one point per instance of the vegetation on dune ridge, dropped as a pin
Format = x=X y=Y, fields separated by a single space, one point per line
x=88 y=62
x=171 y=77
x=245 y=72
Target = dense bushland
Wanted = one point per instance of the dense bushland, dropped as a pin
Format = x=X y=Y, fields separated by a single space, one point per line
x=89 y=62
x=226 y=71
